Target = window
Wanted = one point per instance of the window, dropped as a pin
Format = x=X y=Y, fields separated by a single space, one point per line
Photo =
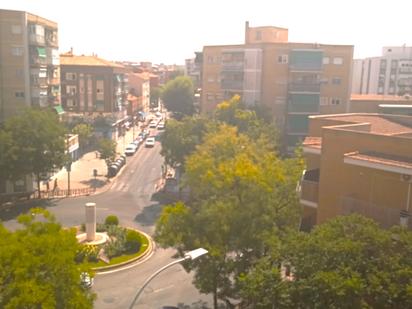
x=326 y=60
x=335 y=101
x=336 y=80
x=338 y=60
x=209 y=59
x=324 y=81
x=19 y=94
x=283 y=59
x=258 y=35
x=16 y=29
x=71 y=90
x=70 y=76
x=280 y=100
x=70 y=103
x=210 y=97
x=17 y=51
x=324 y=101
x=210 y=79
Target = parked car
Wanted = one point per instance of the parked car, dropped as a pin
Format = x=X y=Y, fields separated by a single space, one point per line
x=159 y=115
x=150 y=142
x=152 y=124
x=161 y=126
x=130 y=149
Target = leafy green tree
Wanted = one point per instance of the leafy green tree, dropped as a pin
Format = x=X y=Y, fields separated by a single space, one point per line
x=36 y=143
x=241 y=194
x=181 y=138
x=178 y=96
x=85 y=132
x=33 y=274
x=107 y=150
x=155 y=94
x=347 y=262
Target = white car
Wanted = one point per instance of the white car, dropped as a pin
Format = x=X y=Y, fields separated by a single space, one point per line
x=86 y=280
x=130 y=149
x=161 y=126
x=150 y=142
x=152 y=124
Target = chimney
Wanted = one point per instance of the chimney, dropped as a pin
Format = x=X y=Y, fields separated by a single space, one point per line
x=246 y=31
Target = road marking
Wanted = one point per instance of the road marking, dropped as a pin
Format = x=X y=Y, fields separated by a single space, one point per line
x=163 y=289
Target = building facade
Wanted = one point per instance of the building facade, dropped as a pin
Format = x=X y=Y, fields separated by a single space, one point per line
x=383 y=104
x=390 y=74
x=358 y=163
x=139 y=86
x=29 y=62
x=292 y=80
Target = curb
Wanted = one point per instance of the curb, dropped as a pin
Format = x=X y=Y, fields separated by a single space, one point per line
x=149 y=250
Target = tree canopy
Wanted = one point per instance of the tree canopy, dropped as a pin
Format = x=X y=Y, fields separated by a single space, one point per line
x=85 y=132
x=34 y=143
x=240 y=194
x=107 y=150
x=33 y=274
x=178 y=96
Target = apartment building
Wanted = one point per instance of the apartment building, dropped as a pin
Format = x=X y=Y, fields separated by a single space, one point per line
x=29 y=63
x=389 y=74
x=139 y=86
x=359 y=163
x=292 y=80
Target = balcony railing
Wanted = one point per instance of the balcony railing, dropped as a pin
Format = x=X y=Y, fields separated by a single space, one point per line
x=231 y=84
x=36 y=39
x=304 y=87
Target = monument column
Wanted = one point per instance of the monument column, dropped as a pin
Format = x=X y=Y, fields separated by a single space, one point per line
x=90 y=221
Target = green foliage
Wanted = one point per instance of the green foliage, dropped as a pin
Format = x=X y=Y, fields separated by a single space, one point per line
x=85 y=132
x=180 y=138
x=33 y=274
x=107 y=150
x=33 y=143
x=178 y=96
x=111 y=220
x=241 y=194
x=133 y=241
x=155 y=94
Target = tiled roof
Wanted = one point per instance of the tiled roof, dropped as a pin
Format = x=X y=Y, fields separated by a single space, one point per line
x=379 y=123
x=68 y=59
x=313 y=142
x=387 y=159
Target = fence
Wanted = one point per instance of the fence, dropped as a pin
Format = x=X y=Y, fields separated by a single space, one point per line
x=63 y=193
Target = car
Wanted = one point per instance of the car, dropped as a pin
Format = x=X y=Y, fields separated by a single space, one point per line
x=130 y=149
x=137 y=142
x=86 y=280
x=161 y=126
x=150 y=142
x=152 y=124
x=158 y=114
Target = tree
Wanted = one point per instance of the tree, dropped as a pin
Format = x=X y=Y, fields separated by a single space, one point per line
x=107 y=150
x=85 y=132
x=33 y=274
x=36 y=143
x=240 y=195
x=155 y=94
x=181 y=138
x=178 y=96
x=347 y=262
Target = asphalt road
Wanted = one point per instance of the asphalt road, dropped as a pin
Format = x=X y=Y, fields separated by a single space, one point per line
x=131 y=198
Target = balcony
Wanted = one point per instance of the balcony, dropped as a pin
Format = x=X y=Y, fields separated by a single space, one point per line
x=231 y=84
x=233 y=67
x=304 y=87
x=309 y=188
x=36 y=39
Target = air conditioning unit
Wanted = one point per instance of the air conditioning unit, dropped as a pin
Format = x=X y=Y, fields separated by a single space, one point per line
x=407 y=178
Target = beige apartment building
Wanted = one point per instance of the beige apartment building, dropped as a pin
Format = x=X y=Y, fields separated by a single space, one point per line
x=293 y=80
x=383 y=104
x=358 y=163
x=29 y=62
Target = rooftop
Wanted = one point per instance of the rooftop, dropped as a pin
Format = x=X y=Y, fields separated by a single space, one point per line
x=376 y=97
x=70 y=59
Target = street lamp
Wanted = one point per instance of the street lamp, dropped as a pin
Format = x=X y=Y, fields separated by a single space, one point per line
x=191 y=255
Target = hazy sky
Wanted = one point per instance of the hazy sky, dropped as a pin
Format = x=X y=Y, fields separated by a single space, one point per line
x=169 y=31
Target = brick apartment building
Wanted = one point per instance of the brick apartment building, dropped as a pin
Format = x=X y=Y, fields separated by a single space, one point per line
x=293 y=80
x=358 y=163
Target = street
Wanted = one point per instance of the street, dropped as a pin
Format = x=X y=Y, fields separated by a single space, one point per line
x=131 y=199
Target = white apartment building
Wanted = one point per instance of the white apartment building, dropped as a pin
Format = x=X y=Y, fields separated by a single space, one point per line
x=390 y=74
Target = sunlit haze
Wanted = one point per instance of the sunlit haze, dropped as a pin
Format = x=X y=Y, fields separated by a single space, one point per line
x=163 y=31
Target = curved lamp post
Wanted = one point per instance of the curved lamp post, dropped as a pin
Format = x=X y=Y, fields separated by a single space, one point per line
x=191 y=255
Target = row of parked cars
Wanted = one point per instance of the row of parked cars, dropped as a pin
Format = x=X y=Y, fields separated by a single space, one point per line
x=116 y=166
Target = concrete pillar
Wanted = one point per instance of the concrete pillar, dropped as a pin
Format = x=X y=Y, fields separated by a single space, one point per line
x=90 y=221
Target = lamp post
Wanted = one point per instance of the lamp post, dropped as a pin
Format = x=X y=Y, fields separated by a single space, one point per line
x=191 y=255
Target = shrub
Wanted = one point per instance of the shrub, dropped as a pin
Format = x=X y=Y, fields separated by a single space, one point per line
x=100 y=227
x=133 y=241
x=114 y=248
x=111 y=220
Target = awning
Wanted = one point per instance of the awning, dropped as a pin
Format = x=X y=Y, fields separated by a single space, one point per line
x=59 y=109
x=41 y=51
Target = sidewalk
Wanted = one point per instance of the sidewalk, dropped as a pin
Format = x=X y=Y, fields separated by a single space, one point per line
x=81 y=175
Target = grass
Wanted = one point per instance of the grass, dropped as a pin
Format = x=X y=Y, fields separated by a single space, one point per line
x=124 y=257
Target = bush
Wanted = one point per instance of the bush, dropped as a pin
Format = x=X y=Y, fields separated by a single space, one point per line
x=114 y=248
x=111 y=220
x=133 y=241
